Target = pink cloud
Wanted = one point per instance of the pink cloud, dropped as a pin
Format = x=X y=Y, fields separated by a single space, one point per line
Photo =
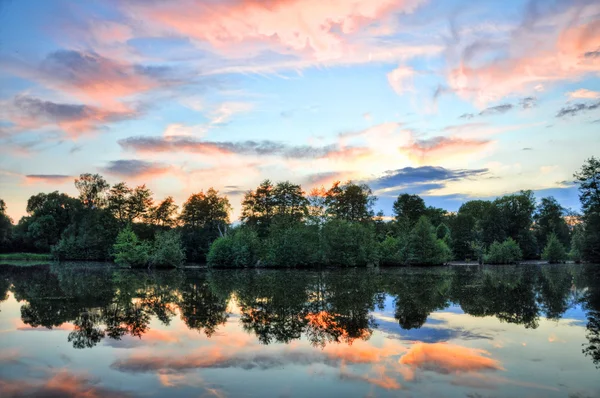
x=532 y=62
x=317 y=28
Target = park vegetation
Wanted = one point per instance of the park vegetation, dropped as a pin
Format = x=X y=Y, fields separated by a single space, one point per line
x=282 y=226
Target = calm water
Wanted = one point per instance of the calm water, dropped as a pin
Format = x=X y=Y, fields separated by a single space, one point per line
x=517 y=331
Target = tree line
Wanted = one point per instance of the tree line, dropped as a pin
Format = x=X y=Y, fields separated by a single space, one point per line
x=282 y=226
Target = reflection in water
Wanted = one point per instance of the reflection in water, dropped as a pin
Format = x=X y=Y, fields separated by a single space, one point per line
x=337 y=312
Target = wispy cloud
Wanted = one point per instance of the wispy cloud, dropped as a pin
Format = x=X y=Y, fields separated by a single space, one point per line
x=136 y=168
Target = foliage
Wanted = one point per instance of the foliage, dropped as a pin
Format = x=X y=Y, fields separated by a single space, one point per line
x=588 y=179
x=26 y=257
x=129 y=251
x=577 y=244
x=239 y=248
x=290 y=205
x=6 y=228
x=92 y=190
x=258 y=207
x=167 y=250
x=292 y=245
x=408 y=209
x=463 y=233
x=165 y=213
x=554 y=252
x=89 y=237
x=392 y=251
x=205 y=210
x=507 y=252
x=549 y=219
x=350 y=202
x=348 y=244
x=423 y=246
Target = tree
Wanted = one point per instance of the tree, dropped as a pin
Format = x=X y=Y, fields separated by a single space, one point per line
x=554 y=252
x=463 y=233
x=139 y=203
x=408 y=209
x=258 y=207
x=577 y=243
x=350 y=202
x=317 y=208
x=517 y=212
x=349 y=244
x=206 y=210
x=549 y=219
x=168 y=250
x=423 y=246
x=92 y=190
x=588 y=179
x=118 y=200
x=289 y=202
x=5 y=227
x=129 y=250
x=507 y=252
x=475 y=208
x=165 y=213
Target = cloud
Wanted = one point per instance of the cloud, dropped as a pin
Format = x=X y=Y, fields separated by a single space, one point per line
x=48 y=178
x=136 y=168
x=423 y=178
x=575 y=109
x=30 y=113
x=528 y=102
x=317 y=29
x=423 y=151
x=192 y=145
x=550 y=45
x=491 y=111
x=60 y=384
x=448 y=358
x=583 y=93
x=400 y=79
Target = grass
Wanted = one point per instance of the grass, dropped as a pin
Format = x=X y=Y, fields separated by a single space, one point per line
x=25 y=257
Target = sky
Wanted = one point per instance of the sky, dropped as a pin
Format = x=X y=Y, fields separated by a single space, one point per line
x=452 y=100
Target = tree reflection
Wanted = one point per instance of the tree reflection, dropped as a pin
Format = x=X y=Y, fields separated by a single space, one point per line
x=279 y=306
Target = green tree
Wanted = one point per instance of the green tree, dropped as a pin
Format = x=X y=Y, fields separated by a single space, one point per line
x=6 y=227
x=289 y=202
x=118 y=199
x=349 y=244
x=239 y=248
x=139 y=204
x=292 y=245
x=258 y=207
x=463 y=233
x=507 y=252
x=408 y=209
x=392 y=251
x=168 y=250
x=577 y=243
x=549 y=219
x=517 y=212
x=350 y=202
x=423 y=246
x=206 y=210
x=92 y=190
x=165 y=213
x=475 y=208
x=129 y=250
x=588 y=179
x=554 y=252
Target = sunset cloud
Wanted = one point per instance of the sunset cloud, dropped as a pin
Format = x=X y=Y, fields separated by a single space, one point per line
x=51 y=179
x=136 y=168
x=449 y=358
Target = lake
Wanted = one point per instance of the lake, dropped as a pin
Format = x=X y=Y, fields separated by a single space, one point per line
x=463 y=331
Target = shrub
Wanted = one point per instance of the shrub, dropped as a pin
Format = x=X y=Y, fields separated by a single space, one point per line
x=507 y=252
x=554 y=252
x=392 y=251
x=423 y=246
x=168 y=250
x=238 y=249
x=129 y=250
x=291 y=246
x=349 y=244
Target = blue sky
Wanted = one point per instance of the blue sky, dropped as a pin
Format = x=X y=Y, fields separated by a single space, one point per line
x=447 y=99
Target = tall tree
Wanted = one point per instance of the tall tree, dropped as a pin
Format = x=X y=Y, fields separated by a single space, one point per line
x=206 y=210
x=258 y=207
x=5 y=227
x=92 y=190
x=118 y=199
x=290 y=203
x=549 y=219
x=350 y=202
x=139 y=204
x=588 y=179
x=408 y=209
x=165 y=213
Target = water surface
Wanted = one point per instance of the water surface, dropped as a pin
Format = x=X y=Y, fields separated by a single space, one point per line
x=94 y=330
